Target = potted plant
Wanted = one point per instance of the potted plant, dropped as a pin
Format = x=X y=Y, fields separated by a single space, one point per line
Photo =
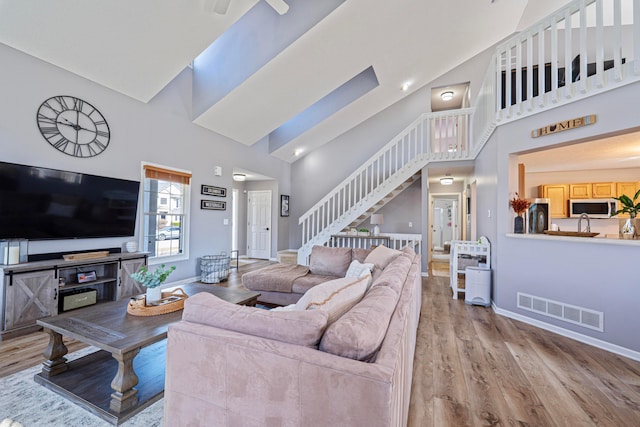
x=519 y=206
x=629 y=228
x=363 y=232
x=152 y=280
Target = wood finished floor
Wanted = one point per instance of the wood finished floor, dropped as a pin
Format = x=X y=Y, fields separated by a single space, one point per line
x=475 y=368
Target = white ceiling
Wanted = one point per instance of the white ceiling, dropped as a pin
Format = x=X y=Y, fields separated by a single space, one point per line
x=138 y=47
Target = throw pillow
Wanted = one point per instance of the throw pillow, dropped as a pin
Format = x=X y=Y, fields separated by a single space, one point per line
x=360 y=332
x=356 y=269
x=327 y=261
x=381 y=256
x=335 y=297
x=295 y=327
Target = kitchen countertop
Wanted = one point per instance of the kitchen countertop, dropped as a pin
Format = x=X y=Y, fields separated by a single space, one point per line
x=601 y=239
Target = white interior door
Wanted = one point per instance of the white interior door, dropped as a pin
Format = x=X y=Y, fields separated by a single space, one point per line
x=259 y=224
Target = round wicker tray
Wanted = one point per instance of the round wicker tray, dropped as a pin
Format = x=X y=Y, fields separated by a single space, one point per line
x=138 y=307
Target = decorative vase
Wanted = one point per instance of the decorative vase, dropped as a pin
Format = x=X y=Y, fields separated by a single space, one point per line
x=154 y=294
x=131 y=246
x=518 y=224
x=628 y=229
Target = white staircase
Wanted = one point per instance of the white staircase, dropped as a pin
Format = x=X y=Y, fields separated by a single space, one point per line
x=432 y=137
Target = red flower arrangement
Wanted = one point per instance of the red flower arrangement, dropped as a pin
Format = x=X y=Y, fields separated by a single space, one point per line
x=519 y=205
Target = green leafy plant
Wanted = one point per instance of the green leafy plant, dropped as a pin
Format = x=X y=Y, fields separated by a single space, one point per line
x=629 y=206
x=152 y=279
x=363 y=230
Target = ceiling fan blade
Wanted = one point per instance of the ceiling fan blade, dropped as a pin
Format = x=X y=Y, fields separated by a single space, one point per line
x=221 y=6
x=279 y=6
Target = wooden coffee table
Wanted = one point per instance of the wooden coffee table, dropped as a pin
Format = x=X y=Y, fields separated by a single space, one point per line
x=131 y=357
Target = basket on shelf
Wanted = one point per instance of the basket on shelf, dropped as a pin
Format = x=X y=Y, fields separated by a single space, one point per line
x=171 y=301
x=214 y=268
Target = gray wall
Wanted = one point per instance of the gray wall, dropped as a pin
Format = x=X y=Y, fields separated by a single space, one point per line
x=160 y=132
x=601 y=277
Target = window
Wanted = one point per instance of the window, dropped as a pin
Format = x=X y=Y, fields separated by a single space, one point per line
x=166 y=212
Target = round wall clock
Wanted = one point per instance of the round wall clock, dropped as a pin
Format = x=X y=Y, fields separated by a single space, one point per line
x=73 y=126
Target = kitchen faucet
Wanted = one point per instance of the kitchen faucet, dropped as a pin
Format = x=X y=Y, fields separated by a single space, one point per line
x=584 y=215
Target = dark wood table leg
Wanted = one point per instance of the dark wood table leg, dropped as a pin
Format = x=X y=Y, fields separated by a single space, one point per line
x=124 y=396
x=54 y=353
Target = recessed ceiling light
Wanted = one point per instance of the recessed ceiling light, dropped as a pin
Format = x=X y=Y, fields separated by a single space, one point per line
x=298 y=151
x=447 y=96
x=405 y=86
x=239 y=177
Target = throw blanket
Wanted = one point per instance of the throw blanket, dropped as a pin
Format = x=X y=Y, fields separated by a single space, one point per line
x=274 y=278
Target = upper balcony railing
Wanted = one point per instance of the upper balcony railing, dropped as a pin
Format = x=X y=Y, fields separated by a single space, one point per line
x=585 y=48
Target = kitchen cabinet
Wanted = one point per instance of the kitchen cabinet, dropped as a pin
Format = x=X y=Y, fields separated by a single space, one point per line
x=627 y=188
x=558 y=194
x=580 y=191
x=603 y=190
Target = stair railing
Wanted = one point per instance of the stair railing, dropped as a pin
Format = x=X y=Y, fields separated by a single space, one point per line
x=431 y=137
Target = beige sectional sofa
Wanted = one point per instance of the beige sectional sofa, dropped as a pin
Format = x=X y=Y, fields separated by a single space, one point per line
x=230 y=365
x=282 y=284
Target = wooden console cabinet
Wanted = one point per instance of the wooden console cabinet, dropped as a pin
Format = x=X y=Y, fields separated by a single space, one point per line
x=34 y=290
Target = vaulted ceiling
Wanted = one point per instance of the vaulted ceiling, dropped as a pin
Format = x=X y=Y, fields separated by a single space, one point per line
x=299 y=79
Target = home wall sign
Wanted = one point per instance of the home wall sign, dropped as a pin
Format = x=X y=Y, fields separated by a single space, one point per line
x=213 y=205
x=565 y=125
x=210 y=190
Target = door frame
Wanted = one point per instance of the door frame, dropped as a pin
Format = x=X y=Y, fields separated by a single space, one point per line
x=455 y=196
x=250 y=253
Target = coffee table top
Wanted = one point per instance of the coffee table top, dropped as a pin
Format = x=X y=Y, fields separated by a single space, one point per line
x=109 y=327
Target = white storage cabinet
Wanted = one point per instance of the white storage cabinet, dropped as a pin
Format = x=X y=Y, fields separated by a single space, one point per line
x=466 y=253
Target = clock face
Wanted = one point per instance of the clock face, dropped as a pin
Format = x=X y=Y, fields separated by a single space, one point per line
x=73 y=126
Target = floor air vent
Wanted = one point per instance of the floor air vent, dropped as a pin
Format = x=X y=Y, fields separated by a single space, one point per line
x=569 y=313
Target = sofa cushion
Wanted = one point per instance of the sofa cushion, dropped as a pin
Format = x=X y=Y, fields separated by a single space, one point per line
x=296 y=327
x=329 y=261
x=359 y=333
x=335 y=297
x=304 y=283
x=381 y=256
x=395 y=274
x=356 y=269
x=359 y=254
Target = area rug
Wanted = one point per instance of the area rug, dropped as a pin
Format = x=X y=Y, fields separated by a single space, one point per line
x=26 y=402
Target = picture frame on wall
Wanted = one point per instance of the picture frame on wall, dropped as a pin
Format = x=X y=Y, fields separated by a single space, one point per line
x=284 y=205
x=213 y=205
x=210 y=190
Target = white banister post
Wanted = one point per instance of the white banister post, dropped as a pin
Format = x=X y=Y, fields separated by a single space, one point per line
x=636 y=37
x=599 y=45
x=583 y=48
x=617 y=40
x=567 y=54
x=541 y=55
x=554 y=60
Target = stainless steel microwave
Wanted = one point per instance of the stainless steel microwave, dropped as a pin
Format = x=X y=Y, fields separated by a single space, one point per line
x=595 y=208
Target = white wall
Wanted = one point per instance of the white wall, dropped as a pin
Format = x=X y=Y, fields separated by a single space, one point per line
x=159 y=132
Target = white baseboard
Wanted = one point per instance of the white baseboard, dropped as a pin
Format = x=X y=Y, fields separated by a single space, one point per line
x=604 y=345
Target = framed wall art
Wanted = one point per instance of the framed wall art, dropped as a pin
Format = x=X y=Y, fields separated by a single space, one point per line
x=213 y=205
x=210 y=190
x=284 y=205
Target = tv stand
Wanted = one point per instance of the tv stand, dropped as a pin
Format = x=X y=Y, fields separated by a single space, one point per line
x=34 y=290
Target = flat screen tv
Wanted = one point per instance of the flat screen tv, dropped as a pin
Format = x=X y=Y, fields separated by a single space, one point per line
x=40 y=203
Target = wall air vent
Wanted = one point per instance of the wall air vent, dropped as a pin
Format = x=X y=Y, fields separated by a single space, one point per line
x=569 y=313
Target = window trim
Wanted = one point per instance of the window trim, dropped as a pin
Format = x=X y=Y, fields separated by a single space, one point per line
x=162 y=172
